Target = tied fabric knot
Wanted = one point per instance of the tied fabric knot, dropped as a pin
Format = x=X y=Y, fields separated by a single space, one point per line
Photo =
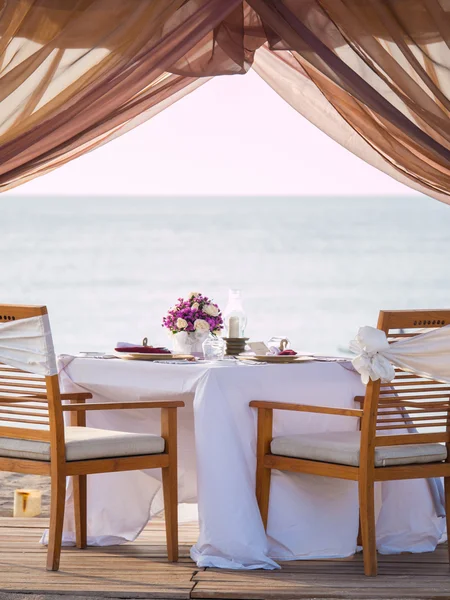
x=370 y=345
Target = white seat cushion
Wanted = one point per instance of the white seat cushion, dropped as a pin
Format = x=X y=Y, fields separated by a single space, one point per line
x=342 y=448
x=83 y=443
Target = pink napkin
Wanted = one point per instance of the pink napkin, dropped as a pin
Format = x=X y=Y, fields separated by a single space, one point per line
x=143 y=349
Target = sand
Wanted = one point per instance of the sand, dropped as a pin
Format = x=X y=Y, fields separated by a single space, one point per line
x=14 y=481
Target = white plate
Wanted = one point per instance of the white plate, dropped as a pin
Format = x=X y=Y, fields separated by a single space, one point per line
x=276 y=358
x=153 y=356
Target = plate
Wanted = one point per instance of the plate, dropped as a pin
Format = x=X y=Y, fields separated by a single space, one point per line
x=147 y=356
x=276 y=358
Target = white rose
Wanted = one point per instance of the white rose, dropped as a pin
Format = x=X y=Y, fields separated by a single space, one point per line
x=181 y=323
x=211 y=310
x=194 y=294
x=201 y=325
x=195 y=306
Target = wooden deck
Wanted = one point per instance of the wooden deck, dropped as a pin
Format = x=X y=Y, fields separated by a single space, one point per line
x=140 y=570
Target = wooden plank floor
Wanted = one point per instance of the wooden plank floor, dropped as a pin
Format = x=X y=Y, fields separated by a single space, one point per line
x=140 y=570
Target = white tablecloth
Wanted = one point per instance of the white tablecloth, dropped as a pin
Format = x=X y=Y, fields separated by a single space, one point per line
x=309 y=516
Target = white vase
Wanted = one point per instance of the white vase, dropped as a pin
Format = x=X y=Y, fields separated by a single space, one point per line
x=186 y=342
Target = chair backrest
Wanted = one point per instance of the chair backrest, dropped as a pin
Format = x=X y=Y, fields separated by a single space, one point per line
x=39 y=417
x=392 y=410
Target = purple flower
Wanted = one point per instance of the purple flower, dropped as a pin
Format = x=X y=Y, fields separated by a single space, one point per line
x=184 y=309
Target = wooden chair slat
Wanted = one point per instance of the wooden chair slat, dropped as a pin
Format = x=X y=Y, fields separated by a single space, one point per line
x=415 y=397
x=21 y=378
x=385 y=427
x=409 y=411
x=25 y=413
x=414 y=419
x=21 y=398
x=412 y=438
x=416 y=383
x=402 y=374
x=414 y=404
x=23 y=433
x=412 y=390
x=6 y=385
x=29 y=421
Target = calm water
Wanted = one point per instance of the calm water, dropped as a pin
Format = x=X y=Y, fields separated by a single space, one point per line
x=314 y=269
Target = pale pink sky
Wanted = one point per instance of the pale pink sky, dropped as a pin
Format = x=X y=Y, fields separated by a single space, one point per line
x=234 y=135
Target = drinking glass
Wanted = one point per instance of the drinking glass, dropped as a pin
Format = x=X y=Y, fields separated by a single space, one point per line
x=213 y=348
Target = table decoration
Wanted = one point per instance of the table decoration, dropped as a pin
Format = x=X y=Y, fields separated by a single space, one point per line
x=234 y=316
x=191 y=321
x=278 y=344
x=27 y=503
x=235 y=346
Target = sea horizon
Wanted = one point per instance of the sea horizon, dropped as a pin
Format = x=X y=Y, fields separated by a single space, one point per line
x=313 y=268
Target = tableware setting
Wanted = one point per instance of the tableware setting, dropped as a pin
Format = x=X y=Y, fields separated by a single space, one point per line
x=128 y=351
x=200 y=331
x=275 y=351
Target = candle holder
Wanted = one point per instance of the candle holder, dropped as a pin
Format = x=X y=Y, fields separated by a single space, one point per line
x=235 y=346
x=27 y=503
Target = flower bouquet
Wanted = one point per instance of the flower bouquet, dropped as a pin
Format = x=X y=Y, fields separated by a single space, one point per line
x=191 y=321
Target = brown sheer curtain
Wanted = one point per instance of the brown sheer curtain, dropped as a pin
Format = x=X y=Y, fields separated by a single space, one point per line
x=383 y=66
x=75 y=74
x=282 y=72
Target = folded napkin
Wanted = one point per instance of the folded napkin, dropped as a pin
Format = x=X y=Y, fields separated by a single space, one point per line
x=126 y=347
x=274 y=351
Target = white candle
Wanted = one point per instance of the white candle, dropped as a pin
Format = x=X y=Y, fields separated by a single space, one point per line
x=27 y=503
x=233 y=327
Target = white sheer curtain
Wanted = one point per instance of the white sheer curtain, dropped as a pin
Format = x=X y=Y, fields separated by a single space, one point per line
x=426 y=354
x=27 y=344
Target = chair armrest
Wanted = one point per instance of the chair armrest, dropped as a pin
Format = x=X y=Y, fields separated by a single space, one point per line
x=347 y=412
x=122 y=405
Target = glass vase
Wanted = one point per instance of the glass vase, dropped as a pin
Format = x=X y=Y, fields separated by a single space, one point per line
x=186 y=342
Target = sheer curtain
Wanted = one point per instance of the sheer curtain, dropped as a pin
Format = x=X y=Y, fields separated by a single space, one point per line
x=75 y=74
x=384 y=67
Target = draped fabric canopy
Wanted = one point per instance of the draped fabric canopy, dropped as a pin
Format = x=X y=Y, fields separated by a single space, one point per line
x=372 y=74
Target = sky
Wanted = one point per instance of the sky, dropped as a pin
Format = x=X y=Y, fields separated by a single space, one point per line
x=234 y=135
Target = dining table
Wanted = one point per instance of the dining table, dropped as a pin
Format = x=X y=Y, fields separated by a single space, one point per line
x=310 y=517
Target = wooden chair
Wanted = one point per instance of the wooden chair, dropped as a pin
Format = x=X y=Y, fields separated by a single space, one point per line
x=373 y=453
x=34 y=440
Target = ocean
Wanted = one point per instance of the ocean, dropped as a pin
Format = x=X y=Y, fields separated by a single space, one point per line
x=314 y=269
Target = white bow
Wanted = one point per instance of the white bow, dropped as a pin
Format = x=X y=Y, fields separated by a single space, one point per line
x=27 y=344
x=369 y=344
x=427 y=354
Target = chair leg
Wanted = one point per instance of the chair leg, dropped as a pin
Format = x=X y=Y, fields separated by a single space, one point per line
x=447 y=510
x=263 y=476
x=359 y=537
x=58 y=498
x=80 y=507
x=367 y=520
x=170 y=491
